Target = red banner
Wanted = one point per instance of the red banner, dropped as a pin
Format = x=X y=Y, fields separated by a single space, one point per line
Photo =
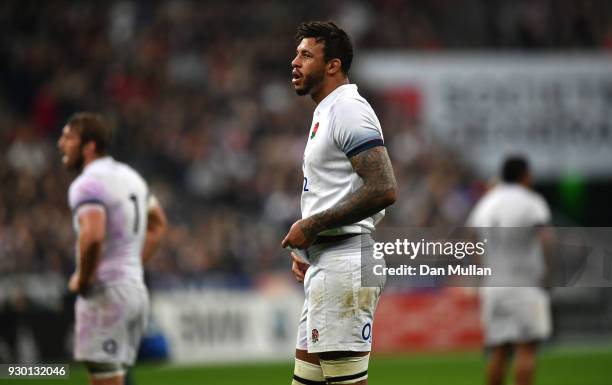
x=428 y=320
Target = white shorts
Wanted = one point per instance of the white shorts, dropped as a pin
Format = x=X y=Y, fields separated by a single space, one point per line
x=109 y=324
x=515 y=314
x=338 y=313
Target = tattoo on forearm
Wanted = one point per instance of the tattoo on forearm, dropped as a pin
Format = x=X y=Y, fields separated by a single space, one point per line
x=378 y=191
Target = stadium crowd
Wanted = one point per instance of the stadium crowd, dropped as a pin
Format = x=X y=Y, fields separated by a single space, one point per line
x=200 y=97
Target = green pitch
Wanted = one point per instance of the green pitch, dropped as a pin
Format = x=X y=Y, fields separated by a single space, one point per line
x=557 y=367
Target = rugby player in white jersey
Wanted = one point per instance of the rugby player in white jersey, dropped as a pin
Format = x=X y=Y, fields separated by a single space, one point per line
x=348 y=182
x=119 y=225
x=516 y=316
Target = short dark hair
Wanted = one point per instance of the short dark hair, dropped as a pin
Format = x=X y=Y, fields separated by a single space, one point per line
x=514 y=169
x=337 y=43
x=92 y=127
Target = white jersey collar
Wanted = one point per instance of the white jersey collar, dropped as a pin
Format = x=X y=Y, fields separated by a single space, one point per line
x=329 y=99
x=101 y=160
x=512 y=186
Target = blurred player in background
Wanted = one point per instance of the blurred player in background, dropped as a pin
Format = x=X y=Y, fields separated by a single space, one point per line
x=348 y=182
x=515 y=318
x=119 y=225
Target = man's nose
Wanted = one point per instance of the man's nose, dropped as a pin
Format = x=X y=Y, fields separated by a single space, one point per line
x=295 y=62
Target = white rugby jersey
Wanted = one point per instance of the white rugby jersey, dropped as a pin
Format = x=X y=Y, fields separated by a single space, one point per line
x=123 y=194
x=343 y=125
x=517 y=257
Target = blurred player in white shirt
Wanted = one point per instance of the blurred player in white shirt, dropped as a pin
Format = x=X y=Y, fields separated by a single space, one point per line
x=119 y=225
x=515 y=307
x=348 y=182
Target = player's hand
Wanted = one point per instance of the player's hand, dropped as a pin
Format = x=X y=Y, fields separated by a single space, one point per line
x=75 y=286
x=298 y=268
x=300 y=235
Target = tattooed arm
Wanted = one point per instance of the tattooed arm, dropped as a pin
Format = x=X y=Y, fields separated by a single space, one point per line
x=378 y=191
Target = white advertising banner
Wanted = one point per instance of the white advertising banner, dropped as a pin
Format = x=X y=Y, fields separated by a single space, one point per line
x=556 y=109
x=204 y=326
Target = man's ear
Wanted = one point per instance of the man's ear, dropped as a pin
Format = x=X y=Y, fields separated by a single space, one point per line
x=89 y=148
x=334 y=66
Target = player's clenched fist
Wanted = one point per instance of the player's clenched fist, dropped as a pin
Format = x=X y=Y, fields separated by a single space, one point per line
x=300 y=235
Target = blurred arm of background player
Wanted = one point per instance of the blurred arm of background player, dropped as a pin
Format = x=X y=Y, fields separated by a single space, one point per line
x=547 y=239
x=156 y=228
x=378 y=191
x=92 y=231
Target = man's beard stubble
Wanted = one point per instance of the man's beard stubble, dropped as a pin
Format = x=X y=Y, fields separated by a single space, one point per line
x=311 y=82
x=77 y=165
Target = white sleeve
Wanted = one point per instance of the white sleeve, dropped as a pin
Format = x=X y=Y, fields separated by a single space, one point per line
x=475 y=218
x=541 y=211
x=87 y=191
x=354 y=127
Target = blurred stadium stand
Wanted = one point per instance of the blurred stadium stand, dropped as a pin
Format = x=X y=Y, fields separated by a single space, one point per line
x=201 y=99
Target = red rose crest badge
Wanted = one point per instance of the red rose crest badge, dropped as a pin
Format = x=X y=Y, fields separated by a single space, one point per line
x=314 y=130
x=315 y=336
